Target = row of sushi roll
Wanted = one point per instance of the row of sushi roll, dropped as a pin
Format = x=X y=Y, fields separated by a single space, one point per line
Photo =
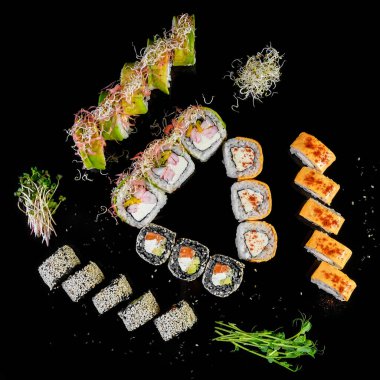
x=58 y=270
x=189 y=259
x=120 y=103
x=251 y=200
x=316 y=158
x=166 y=164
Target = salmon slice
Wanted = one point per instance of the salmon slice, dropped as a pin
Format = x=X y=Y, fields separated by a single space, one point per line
x=154 y=236
x=220 y=268
x=186 y=252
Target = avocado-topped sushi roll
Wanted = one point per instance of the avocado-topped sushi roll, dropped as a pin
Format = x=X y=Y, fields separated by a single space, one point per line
x=58 y=266
x=188 y=259
x=223 y=275
x=178 y=319
x=251 y=200
x=203 y=131
x=140 y=311
x=256 y=241
x=136 y=201
x=170 y=165
x=117 y=291
x=243 y=158
x=154 y=243
x=183 y=35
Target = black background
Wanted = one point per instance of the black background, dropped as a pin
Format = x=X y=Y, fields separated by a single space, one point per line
x=59 y=60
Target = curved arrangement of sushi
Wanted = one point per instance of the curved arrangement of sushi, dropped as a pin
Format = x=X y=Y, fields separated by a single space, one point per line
x=317 y=157
x=166 y=164
x=120 y=104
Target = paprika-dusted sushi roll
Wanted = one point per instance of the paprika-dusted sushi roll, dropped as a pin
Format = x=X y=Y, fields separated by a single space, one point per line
x=188 y=259
x=139 y=311
x=136 y=201
x=178 y=319
x=58 y=266
x=83 y=281
x=183 y=35
x=256 y=241
x=251 y=200
x=223 y=275
x=243 y=158
x=170 y=166
x=154 y=243
x=117 y=291
x=312 y=152
x=325 y=248
x=203 y=131
x=333 y=281
x=316 y=184
x=322 y=216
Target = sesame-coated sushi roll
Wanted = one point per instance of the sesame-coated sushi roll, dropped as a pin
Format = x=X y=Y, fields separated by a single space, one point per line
x=117 y=291
x=140 y=311
x=56 y=267
x=256 y=241
x=188 y=259
x=243 y=158
x=223 y=275
x=83 y=281
x=178 y=319
x=251 y=200
x=154 y=243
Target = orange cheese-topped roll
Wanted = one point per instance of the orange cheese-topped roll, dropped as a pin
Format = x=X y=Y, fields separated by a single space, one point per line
x=322 y=216
x=317 y=184
x=333 y=281
x=312 y=152
x=325 y=248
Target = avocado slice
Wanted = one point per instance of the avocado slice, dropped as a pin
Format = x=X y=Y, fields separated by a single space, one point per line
x=185 y=56
x=94 y=161
x=194 y=266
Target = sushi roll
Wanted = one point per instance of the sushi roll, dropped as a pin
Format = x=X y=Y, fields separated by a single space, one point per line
x=171 y=166
x=117 y=291
x=243 y=158
x=316 y=184
x=188 y=259
x=136 y=201
x=223 y=275
x=251 y=200
x=83 y=281
x=333 y=281
x=321 y=216
x=325 y=248
x=312 y=152
x=139 y=311
x=183 y=33
x=203 y=131
x=178 y=319
x=58 y=266
x=256 y=241
x=154 y=243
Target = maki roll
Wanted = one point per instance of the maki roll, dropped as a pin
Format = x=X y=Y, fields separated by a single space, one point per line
x=243 y=158
x=171 y=165
x=325 y=248
x=117 y=291
x=188 y=259
x=256 y=241
x=223 y=275
x=178 y=319
x=58 y=266
x=333 y=281
x=251 y=200
x=203 y=131
x=312 y=152
x=136 y=201
x=321 y=216
x=83 y=281
x=183 y=35
x=139 y=311
x=154 y=243
x=316 y=184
